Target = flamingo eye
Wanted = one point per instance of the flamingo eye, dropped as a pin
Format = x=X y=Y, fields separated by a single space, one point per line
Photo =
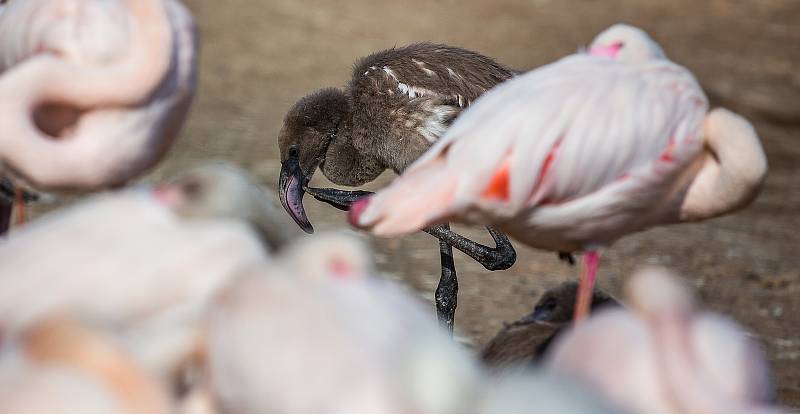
x=618 y=45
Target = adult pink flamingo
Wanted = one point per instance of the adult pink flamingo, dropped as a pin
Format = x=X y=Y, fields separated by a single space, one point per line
x=92 y=92
x=576 y=154
x=664 y=355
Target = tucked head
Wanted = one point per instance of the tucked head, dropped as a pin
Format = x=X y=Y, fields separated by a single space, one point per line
x=221 y=190
x=627 y=44
x=308 y=129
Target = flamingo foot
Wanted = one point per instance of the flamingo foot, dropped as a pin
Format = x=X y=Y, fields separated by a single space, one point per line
x=583 y=303
x=500 y=257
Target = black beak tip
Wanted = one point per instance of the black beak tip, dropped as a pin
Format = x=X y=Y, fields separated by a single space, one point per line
x=307 y=227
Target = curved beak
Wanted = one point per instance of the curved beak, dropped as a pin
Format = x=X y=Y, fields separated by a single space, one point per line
x=291 y=189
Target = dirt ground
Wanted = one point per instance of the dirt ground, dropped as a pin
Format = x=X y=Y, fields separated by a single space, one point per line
x=260 y=56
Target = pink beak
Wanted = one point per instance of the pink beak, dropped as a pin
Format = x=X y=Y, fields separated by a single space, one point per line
x=606 y=51
x=355 y=211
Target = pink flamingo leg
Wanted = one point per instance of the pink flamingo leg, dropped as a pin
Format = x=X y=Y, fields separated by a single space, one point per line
x=583 y=302
x=19 y=206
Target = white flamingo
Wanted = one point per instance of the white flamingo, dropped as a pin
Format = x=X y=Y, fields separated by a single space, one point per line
x=92 y=93
x=315 y=333
x=663 y=356
x=142 y=264
x=576 y=154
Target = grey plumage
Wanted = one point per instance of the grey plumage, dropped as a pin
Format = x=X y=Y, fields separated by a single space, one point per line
x=526 y=341
x=398 y=102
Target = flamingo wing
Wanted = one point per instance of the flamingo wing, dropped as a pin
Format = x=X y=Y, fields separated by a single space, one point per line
x=420 y=89
x=550 y=136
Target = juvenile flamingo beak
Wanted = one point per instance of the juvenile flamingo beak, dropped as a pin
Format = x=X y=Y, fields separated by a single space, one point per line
x=291 y=189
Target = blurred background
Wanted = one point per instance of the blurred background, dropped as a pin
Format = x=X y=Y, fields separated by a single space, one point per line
x=260 y=56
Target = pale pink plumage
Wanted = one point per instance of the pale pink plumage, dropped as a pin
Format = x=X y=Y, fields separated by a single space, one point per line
x=314 y=333
x=59 y=366
x=92 y=92
x=664 y=356
x=126 y=263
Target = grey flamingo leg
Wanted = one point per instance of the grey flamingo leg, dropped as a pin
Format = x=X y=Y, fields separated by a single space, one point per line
x=501 y=257
x=341 y=199
x=447 y=290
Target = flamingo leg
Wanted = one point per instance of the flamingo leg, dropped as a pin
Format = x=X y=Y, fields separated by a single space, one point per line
x=19 y=207
x=341 y=199
x=500 y=257
x=583 y=302
x=5 y=215
x=7 y=198
x=447 y=291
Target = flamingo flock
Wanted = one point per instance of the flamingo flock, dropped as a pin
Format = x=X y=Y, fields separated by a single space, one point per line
x=199 y=295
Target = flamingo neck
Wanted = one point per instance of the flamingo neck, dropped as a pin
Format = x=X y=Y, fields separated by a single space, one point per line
x=732 y=171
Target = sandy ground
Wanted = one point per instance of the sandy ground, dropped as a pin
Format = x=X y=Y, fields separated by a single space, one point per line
x=259 y=56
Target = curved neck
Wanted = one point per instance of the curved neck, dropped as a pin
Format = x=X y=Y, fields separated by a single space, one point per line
x=732 y=172
x=344 y=164
x=45 y=78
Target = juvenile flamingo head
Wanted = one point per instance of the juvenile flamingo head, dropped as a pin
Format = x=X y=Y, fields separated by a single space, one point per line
x=304 y=140
x=627 y=44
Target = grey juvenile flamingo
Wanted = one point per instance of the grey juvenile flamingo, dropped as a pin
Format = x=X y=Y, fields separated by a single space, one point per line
x=397 y=104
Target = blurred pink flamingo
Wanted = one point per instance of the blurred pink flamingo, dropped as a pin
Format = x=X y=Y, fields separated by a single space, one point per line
x=59 y=366
x=665 y=356
x=141 y=263
x=92 y=93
